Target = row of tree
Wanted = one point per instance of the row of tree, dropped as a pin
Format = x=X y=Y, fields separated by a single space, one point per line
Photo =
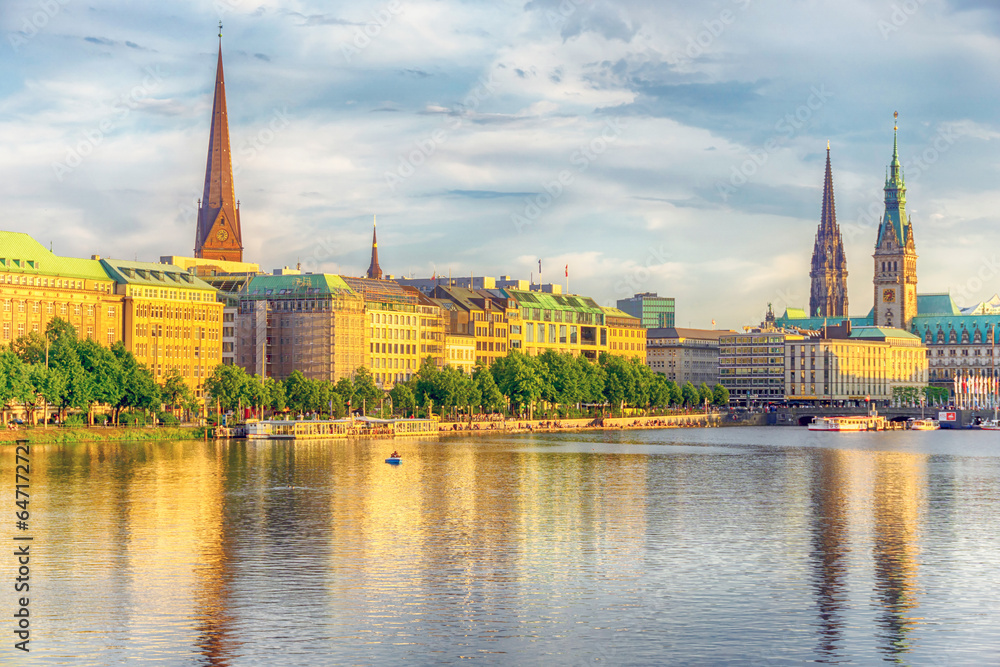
x=57 y=370
x=556 y=382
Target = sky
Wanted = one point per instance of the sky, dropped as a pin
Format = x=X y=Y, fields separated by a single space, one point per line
x=673 y=147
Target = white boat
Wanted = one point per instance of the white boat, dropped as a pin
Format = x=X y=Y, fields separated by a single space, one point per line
x=845 y=423
x=924 y=425
x=990 y=425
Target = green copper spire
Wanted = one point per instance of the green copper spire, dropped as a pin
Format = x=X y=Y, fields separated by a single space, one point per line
x=895 y=195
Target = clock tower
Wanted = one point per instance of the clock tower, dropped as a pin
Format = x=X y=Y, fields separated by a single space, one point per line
x=219 y=235
x=895 y=255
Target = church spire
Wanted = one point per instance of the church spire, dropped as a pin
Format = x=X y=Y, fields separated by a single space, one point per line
x=895 y=275
x=828 y=293
x=374 y=271
x=219 y=235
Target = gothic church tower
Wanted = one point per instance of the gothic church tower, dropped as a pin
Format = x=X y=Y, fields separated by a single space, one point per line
x=828 y=296
x=218 y=235
x=895 y=254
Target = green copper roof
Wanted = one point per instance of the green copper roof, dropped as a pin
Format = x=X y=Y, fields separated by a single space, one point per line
x=152 y=274
x=617 y=312
x=298 y=285
x=19 y=253
x=880 y=333
x=924 y=324
x=936 y=304
x=546 y=301
x=895 y=199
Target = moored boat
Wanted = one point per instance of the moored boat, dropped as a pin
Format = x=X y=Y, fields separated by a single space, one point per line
x=848 y=423
x=924 y=425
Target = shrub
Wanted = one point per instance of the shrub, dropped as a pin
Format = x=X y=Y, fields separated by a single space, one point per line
x=131 y=419
x=74 y=420
x=167 y=419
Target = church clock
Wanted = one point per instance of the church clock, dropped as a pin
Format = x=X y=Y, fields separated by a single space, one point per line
x=888 y=296
x=222 y=235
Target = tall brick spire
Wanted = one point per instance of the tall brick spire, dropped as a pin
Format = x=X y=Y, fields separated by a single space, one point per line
x=828 y=296
x=374 y=271
x=219 y=235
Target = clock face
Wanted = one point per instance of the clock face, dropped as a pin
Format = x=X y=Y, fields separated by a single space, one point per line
x=222 y=235
x=888 y=295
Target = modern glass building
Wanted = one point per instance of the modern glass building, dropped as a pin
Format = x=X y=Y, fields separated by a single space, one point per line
x=656 y=312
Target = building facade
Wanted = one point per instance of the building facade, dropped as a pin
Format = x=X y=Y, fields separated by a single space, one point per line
x=685 y=355
x=828 y=292
x=37 y=286
x=626 y=335
x=572 y=324
x=313 y=323
x=172 y=321
x=655 y=312
x=752 y=364
x=853 y=365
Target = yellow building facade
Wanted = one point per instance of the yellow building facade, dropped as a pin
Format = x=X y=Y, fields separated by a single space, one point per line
x=626 y=336
x=868 y=364
x=171 y=320
x=37 y=286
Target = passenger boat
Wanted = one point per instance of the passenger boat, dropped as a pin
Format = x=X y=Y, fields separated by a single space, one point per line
x=361 y=427
x=859 y=423
x=990 y=425
x=924 y=425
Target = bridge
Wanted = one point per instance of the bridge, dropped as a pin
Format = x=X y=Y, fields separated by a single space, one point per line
x=803 y=415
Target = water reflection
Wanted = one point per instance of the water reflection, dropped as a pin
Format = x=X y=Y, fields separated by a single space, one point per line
x=900 y=481
x=830 y=547
x=549 y=549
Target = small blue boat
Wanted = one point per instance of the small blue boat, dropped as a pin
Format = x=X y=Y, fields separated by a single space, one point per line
x=394 y=460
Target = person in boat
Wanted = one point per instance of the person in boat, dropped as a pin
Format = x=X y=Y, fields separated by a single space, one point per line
x=394 y=455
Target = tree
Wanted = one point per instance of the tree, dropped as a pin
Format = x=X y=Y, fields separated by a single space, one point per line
x=79 y=387
x=676 y=396
x=273 y=394
x=227 y=385
x=403 y=399
x=298 y=391
x=720 y=395
x=365 y=391
x=177 y=394
x=30 y=348
x=689 y=395
x=15 y=386
x=490 y=396
x=345 y=389
x=518 y=378
x=705 y=395
x=140 y=389
x=47 y=385
x=104 y=371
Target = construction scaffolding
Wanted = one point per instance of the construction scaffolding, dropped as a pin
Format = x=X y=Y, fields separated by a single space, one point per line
x=311 y=323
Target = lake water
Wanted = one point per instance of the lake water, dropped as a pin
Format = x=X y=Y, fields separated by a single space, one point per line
x=765 y=546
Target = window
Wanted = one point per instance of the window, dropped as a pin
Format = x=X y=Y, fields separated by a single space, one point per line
x=111 y=311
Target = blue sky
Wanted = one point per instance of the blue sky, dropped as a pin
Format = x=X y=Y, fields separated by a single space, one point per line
x=673 y=147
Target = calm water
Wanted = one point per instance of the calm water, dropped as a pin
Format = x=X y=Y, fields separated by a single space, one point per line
x=765 y=546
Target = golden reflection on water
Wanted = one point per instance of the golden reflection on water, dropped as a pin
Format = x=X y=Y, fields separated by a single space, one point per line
x=199 y=543
x=882 y=493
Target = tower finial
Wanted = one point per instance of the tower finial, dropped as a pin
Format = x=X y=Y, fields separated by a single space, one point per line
x=827 y=144
x=220 y=31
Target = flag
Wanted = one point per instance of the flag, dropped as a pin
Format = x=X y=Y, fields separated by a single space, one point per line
x=567 y=270
x=539 y=268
